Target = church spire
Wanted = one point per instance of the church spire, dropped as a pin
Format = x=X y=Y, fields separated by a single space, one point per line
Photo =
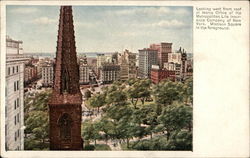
x=65 y=103
x=66 y=70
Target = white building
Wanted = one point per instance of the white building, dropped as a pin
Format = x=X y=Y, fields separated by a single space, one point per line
x=147 y=58
x=84 y=71
x=127 y=62
x=174 y=57
x=100 y=60
x=47 y=74
x=14 y=96
x=13 y=46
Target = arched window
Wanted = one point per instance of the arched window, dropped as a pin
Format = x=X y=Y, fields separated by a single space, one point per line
x=65 y=123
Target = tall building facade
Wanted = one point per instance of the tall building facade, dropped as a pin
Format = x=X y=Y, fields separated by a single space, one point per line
x=14 y=96
x=14 y=47
x=47 y=74
x=65 y=103
x=84 y=70
x=163 y=50
x=127 y=62
x=30 y=73
x=109 y=73
x=100 y=60
x=147 y=58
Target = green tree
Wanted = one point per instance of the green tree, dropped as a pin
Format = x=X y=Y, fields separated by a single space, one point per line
x=138 y=89
x=115 y=97
x=97 y=101
x=188 y=90
x=174 y=118
x=87 y=94
x=167 y=92
x=180 y=140
x=90 y=131
x=36 y=122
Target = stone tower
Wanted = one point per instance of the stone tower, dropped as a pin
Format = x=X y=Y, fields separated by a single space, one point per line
x=65 y=103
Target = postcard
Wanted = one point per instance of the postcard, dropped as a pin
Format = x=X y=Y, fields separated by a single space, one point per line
x=124 y=79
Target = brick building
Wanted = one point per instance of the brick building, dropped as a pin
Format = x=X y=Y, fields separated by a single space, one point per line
x=30 y=73
x=163 y=50
x=65 y=103
x=157 y=74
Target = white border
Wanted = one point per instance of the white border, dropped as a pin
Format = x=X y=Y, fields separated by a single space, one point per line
x=197 y=151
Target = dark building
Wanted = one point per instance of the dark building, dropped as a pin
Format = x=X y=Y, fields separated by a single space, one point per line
x=65 y=103
x=109 y=73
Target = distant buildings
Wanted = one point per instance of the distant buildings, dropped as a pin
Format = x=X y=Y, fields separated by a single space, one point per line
x=47 y=73
x=84 y=70
x=14 y=95
x=163 y=50
x=159 y=62
x=100 y=60
x=30 y=73
x=127 y=62
x=175 y=57
x=157 y=74
x=109 y=72
x=147 y=58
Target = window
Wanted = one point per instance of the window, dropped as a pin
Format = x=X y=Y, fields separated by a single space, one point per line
x=8 y=70
x=15 y=120
x=65 y=123
x=15 y=104
x=17 y=86
x=17 y=69
x=18 y=117
x=13 y=69
x=18 y=133
x=6 y=130
x=15 y=136
x=6 y=111
x=14 y=86
x=18 y=102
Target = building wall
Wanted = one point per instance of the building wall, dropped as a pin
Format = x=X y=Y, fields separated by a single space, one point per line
x=147 y=58
x=84 y=74
x=157 y=75
x=109 y=73
x=174 y=57
x=100 y=60
x=13 y=46
x=14 y=114
x=163 y=50
x=127 y=61
x=47 y=75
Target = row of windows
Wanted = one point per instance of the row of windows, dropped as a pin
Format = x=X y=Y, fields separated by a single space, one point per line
x=17 y=118
x=16 y=86
x=17 y=135
x=16 y=103
x=15 y=69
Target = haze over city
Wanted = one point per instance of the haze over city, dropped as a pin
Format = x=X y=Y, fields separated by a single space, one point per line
x=102 y=28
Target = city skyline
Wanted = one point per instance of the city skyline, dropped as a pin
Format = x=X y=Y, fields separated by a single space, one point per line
x=122 y=27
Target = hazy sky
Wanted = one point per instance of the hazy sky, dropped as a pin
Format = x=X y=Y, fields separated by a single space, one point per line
x=102 y=28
